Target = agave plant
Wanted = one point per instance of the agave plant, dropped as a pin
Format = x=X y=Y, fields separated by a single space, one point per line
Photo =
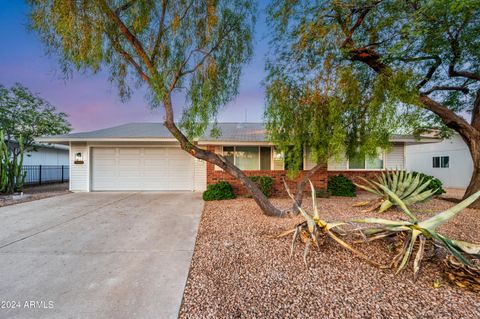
x=410 y=188
x=422 y=232
x=313 y=230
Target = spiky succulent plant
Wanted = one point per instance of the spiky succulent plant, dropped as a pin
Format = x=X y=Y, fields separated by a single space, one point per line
x=313 y=230
x=409 y=187
x=421 y=231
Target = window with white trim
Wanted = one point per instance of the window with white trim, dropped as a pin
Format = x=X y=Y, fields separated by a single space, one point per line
x=366 y=162
x=249 y=157
x=441 y=162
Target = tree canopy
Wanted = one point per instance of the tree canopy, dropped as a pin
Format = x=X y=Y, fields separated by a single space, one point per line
x=25 y=116
x=434 y=45
x=193 y=48
x=318 y=100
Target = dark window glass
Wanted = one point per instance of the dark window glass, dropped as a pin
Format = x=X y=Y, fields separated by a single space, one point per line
x=436 y=162
x=265 y=158
x=445 y=161
x=228 y=153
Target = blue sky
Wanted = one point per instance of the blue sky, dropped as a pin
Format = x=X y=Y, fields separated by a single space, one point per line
x=90 y=100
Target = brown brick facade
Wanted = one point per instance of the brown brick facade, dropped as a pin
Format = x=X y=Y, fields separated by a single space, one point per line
x=319 y=179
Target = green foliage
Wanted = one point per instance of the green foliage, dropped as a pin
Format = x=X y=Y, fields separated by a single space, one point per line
x=219 y=191
x=422 y=46
x=322 y=193
x=435 y=183
x=315 y=102
x=26 y=116
x=264 y=183
x=409 y=187
x=192 y=48
x=12 y=177
x=340 y=185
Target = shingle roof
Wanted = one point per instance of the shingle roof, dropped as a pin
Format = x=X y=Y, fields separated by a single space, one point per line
x=241 y=132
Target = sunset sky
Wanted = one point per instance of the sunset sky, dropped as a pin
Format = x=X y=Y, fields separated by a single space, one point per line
x=90 y=101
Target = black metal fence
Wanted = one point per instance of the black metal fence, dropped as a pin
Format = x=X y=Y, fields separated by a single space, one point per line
x=44 y=174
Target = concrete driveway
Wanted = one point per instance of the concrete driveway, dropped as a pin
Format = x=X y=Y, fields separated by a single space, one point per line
x=97 y=255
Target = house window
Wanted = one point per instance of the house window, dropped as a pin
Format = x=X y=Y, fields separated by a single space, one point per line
x=441 y=161
x=363 y=162
x=249 y=157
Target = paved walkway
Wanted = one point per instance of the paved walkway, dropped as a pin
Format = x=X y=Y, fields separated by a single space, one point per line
x=97 y=255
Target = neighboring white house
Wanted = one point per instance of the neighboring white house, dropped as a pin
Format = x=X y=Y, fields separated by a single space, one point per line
x=448 y=160
x=47 y=154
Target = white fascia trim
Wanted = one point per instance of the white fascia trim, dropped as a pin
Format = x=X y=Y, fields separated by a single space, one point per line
x=72 y=139
x=234 y=143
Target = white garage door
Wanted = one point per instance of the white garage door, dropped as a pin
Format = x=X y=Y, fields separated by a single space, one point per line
x=141 y=168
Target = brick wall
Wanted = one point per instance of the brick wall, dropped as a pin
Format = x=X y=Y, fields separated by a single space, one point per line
x=319 y=179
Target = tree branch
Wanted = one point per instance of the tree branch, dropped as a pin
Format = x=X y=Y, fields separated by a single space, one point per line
x=117 y=46
x=476 y=112
x=125 y=6
x=449 y=118
x=430 y=72
x=128 y=35
x=160 y=30
x=462 y=89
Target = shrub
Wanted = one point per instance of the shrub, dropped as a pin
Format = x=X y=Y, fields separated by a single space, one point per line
x=219 y=191
x=435 y=183
x=322 y=193
x=340 y=185
x=264 y=183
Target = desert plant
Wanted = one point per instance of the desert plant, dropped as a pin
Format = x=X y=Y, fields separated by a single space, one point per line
x=264 y=183
x=4 y=163
x=435 y=183
x=314 y=230
x=340 y=185
x=409 y=187
x=219 y=191
x=421 y=231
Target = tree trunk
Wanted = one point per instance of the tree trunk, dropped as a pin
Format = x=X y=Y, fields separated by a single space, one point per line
x=474 y=186
x=211 y=157
x=301 y=184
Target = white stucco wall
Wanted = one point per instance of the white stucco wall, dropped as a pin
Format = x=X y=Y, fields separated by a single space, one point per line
x=46 y=156
x=457 y=175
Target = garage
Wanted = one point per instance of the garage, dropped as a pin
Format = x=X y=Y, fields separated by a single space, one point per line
x=141 y=169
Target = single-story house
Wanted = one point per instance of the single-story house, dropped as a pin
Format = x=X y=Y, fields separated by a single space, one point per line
x=448 y=160
x=146 y=157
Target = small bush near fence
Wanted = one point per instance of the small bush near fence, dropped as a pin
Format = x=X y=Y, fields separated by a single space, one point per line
x=435 y=183
x=264 y=183
x=219 y=191
x=340 y=185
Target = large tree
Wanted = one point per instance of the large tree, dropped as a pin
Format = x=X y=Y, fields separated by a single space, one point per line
x=434 y=43
x=194 y=48
x=330 y=113
x=25 y=116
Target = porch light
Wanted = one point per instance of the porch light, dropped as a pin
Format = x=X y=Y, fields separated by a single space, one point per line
x=78 y=158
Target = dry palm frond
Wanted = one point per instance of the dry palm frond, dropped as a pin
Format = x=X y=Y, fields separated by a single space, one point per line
x=313 y=231
x=419 y=233
x=409 y=188
x=463 y=275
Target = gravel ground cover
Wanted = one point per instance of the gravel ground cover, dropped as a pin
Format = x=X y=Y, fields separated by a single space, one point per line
x=35 y=192
x=240 y=271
